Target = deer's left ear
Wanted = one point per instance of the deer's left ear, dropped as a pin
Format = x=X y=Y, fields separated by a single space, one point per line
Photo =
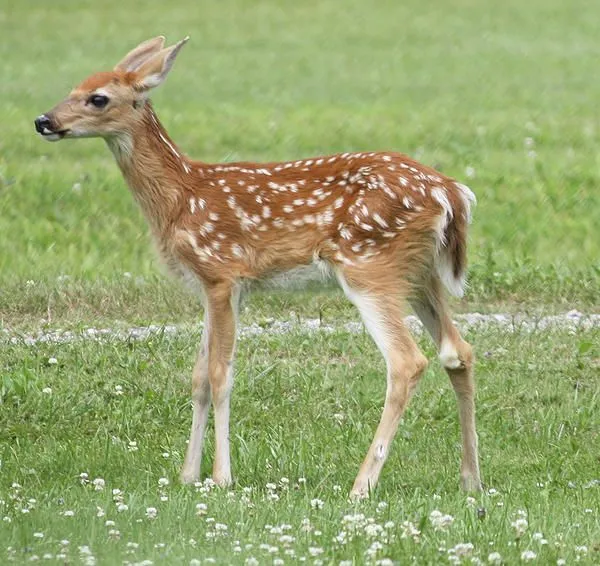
x=155 y=69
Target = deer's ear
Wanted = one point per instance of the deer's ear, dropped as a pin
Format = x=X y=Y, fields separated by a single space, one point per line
x=155 y=69
x=134 y=59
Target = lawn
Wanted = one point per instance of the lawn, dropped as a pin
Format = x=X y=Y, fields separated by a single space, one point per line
x=502 y=96
x=304 y=406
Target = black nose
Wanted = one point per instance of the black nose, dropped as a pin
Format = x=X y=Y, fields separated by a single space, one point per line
x=43 y=123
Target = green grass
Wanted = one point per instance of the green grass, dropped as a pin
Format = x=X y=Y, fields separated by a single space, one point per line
x=304 y=406
x=500 y=95
x=462 y=86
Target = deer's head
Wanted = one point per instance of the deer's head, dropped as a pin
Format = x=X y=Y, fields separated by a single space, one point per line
x=109 y=103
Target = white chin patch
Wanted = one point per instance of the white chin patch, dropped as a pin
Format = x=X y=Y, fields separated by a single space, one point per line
x=52 y=137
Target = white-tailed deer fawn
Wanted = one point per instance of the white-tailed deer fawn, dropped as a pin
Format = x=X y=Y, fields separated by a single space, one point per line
x=390 y=229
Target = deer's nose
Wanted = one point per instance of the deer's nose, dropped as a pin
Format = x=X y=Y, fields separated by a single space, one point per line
x=43 y=123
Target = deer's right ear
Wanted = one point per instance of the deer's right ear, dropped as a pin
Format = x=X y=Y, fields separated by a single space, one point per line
x=136 y=57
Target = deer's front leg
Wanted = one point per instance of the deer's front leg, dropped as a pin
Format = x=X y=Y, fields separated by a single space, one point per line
x=200 y=406
x=213 y=376
x=221 y=304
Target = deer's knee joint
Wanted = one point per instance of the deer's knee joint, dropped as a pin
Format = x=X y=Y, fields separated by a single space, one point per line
x=200 y=388
x=455 y=355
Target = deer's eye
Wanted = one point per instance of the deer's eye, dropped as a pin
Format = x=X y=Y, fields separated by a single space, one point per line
x=98 y=100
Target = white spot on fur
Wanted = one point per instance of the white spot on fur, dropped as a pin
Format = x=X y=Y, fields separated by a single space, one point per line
x=448 y=355
x=441 y=197
x=237 y=250
x=380 y=220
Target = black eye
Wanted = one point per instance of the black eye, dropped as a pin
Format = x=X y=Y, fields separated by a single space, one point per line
x=98 y=100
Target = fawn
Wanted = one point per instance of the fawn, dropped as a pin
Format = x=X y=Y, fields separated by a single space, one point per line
x=390 y=229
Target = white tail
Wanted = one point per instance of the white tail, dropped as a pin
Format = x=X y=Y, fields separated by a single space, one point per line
x=390 y=229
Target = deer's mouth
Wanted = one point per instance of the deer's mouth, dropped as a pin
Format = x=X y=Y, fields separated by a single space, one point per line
x=53 y=136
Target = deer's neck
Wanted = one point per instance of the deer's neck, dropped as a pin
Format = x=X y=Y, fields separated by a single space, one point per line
x=153 y=167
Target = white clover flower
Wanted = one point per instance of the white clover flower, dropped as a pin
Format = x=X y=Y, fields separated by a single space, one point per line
x=52 y=361
x=122 y=507
x=98 y=484
x=68 y=513
x=151 y=512
x=337 y=488
x=47 y=390
x=38 y=535
x=165 y=455
x=118 y=390
x=64 y=542
x=581 y=549
x=315 y=550
x=271 y=486
x=373 y=530
x=528 y=555
x=561 y=562
x=163 y=482
x=375 y=547
x=317 y=503
x=440 y=521
x=301 y=480
x=409 y=530
x=462 y=549
x=520 y=525
x=251 y=561
x=109 y=523
x=494 y=558
x=201 y=508
x=132 y=447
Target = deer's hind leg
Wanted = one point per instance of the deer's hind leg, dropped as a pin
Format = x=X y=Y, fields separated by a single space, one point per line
x=456 y=355
x=381 y=309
